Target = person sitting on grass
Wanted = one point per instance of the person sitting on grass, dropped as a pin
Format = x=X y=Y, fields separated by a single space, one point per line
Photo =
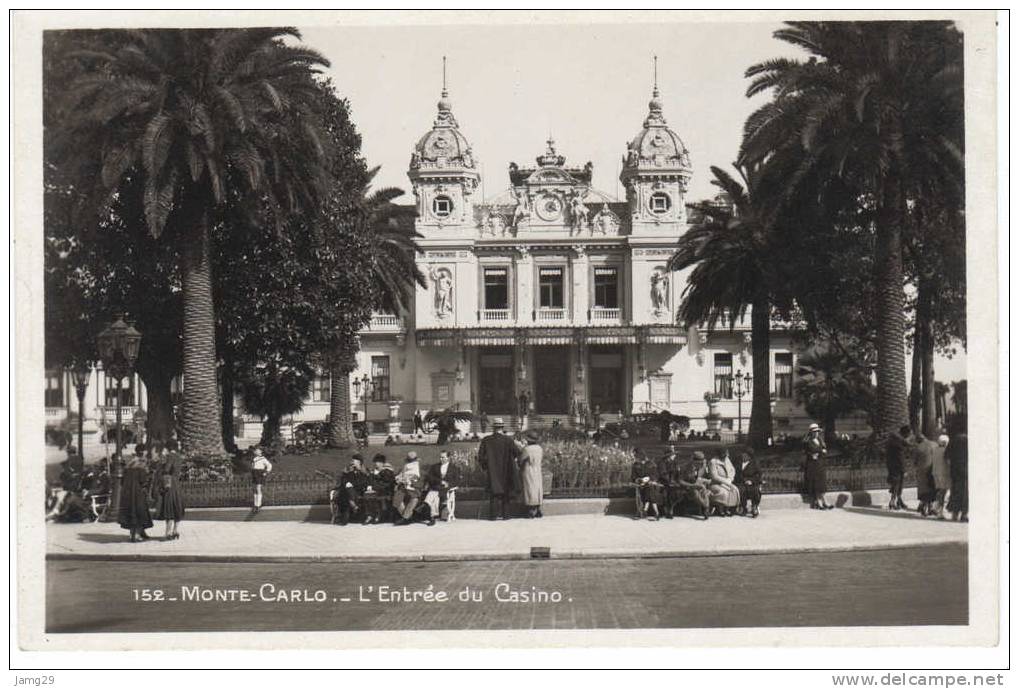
x=379 y=493
x=346 y=494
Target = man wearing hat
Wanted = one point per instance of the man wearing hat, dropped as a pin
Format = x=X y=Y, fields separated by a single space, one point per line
x=348 y=491
x=408 y=489
x=498 y=455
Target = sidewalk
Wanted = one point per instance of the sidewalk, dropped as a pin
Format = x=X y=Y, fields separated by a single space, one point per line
x=579 y=536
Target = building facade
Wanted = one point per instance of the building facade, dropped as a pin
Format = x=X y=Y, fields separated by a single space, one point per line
x=549 y=301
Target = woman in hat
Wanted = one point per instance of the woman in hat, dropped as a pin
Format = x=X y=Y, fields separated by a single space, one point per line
x=815 y=469
x=724 y=493
x=530 y=474
x=171 y=502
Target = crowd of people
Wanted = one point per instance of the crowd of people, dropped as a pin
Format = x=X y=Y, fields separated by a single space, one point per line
x=942 y=473
x=149 y=488
x=702 y=486
x=381 y=494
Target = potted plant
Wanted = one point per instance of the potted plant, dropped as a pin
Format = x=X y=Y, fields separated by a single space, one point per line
x=713 y=418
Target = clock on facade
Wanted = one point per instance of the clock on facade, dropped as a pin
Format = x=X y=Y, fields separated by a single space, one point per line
x=549 y=208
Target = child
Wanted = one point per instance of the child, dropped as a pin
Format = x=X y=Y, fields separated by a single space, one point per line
x=260 y=467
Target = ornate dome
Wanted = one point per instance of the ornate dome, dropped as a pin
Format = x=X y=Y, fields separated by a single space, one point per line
x=443 y=146
x=655 y=145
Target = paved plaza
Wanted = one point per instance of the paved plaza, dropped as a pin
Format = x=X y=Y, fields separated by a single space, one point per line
x=566 y=536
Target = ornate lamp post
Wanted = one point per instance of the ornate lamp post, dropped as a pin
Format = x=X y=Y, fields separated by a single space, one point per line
x=364 y=387
x=80 y=373
x=741 y=387
x=118 y=349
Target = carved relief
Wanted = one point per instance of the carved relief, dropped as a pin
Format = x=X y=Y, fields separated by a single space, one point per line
x=606 y=222
x=702 y=343
x=443 y=279
x=522 y=211
x=746 y=348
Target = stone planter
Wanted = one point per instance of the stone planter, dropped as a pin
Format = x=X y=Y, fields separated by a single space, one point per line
x=714 y=421
x=394 y=418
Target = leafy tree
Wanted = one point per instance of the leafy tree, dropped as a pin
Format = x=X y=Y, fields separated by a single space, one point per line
x=305 y=289
x=879 y=104
x=732 y=255
x=831 y=384
x=199 y=118
x=393 y=273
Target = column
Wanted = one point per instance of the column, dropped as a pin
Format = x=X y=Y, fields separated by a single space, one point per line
x=581 y=285
x=524 y=277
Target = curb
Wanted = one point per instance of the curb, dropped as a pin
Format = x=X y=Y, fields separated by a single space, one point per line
x=503 y=556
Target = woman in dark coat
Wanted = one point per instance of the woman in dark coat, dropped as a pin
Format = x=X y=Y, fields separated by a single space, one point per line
x=134 y=504
x=957 y=453
x=749 y=479
x=694 y=489
x=815 y=471
x=171 y=502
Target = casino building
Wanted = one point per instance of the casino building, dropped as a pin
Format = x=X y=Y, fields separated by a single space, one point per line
x=549 y=301
x=554 y=298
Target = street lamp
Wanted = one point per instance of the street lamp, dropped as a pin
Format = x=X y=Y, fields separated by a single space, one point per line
x=740 y=388
x=118 y=350
x=367 y=386
x=79 y=376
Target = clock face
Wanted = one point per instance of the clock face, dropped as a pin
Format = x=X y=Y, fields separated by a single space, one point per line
x=549 y=208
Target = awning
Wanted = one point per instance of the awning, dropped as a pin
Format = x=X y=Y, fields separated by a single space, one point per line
x=546 y=336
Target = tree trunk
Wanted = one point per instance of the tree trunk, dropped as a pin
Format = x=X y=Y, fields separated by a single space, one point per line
x=929 y=406
x=340 y=432
x=915 y=377
x=200 y=431
x=891 y=363
x=760 y=410
x=159 y=421
x=271 y=429
x=226 y=412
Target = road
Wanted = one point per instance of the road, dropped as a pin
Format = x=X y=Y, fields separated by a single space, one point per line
x=806 y=589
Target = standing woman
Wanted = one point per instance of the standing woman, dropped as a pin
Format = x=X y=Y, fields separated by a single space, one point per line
x=942 y=476
x=260 y=467
x=816 y=469
x=171 y=502
x=530 y=474
x=134 y=502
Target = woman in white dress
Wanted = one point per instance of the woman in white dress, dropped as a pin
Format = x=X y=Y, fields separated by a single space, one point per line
x=530 y=474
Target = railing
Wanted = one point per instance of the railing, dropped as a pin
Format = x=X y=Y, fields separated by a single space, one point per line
x=604 y=314
x=385 y=322
x=55 y=413
x=313 y=489
x=495 y=314
x=546 y=314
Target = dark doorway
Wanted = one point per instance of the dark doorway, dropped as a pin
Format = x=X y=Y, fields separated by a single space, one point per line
x=551 y=380
x=606 y=379
x=495 y=382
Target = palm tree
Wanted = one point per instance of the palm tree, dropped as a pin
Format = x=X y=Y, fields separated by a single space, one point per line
x=830 y=384
x=729 y=250
x=394 y=274
x=446 y=421
x=203 y=117
x=878 y=103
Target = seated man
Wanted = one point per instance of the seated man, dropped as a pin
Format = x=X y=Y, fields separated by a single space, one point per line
x=346 y=494
x=439 y=479
x=408 y=489
x=379 y=493
x=748 y=480
x=668 y=473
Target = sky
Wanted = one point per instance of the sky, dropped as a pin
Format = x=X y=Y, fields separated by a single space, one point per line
x=588 y=86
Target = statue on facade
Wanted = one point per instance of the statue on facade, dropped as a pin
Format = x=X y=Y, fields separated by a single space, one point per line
x=659 y=291
x=521 y=213
x=578 y=212
x=443 y=280
x=605 y=221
